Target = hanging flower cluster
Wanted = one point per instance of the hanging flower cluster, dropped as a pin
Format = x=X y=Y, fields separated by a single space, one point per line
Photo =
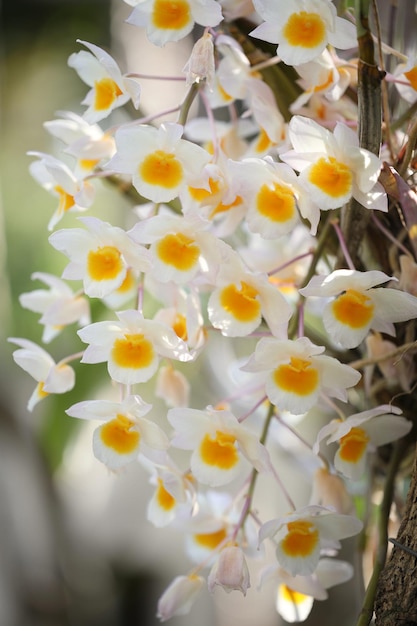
x=236 y=237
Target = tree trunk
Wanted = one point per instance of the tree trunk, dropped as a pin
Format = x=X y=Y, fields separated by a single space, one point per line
x=396 y=598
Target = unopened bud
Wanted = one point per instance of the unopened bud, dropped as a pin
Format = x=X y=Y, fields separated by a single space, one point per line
x=230 y=571
x=179 y=597
x=200 y=66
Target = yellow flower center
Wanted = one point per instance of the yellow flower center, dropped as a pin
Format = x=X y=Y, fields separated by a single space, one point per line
x=290 y=595
x=411 y=75
x=161 y=168
x=199 y=194
x=66 y=201
x=106 y=92
x=326 y=83
x=163 y=497
x=41 y=391
x=128 y=282
x=178 y=250
x=133 y=351
x=353 y=445
x=276 y=203
x=301 y=540
x=298 y=377
x=180 y=326
x=88 y=164
x=223 y=208
x=331 y=176
x=211 y=540
x=171 y=14
x=306 y=30
x=241 y=303
x=263 y=142
x=118 y=435
x=353 y=309
x=220 y=452
x=105 y=263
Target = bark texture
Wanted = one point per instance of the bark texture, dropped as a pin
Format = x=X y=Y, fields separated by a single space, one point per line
x=396 y=599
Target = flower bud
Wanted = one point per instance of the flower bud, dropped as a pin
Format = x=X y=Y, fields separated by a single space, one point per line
x=230 y=571
x=179 y=596
x=200 y=65
x=330 y=490
x=172 y=386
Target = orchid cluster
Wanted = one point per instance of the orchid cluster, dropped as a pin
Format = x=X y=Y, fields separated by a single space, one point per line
x=236 y=239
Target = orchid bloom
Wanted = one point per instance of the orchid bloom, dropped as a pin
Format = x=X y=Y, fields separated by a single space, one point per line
x=357 y=305
x=361 y=433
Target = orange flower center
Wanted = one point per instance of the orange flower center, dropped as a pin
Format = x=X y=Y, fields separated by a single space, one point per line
x=331 y=176
x=178 y=250
x=306 y=30
x=353 y=309
x=106 y=92
x=133 y=351
x=161 y=168
x=104 y=263
x=171 y=14
x=298 y=376
x=118 y=435
x=301 y=540
x=241 y=303
x=276 y=203
x=163 y=497
x=211 y=540
x=353 y=445
x=219 y=452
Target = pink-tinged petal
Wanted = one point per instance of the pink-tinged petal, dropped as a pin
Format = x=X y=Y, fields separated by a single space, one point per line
x=179 y=597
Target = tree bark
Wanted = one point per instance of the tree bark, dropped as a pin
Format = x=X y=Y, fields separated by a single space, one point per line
x=396 y=598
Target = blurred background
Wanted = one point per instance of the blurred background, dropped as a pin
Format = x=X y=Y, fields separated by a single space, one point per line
x=75 y=547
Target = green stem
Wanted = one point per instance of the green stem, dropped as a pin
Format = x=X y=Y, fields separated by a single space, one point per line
x=321 y=245
x=186 y=105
